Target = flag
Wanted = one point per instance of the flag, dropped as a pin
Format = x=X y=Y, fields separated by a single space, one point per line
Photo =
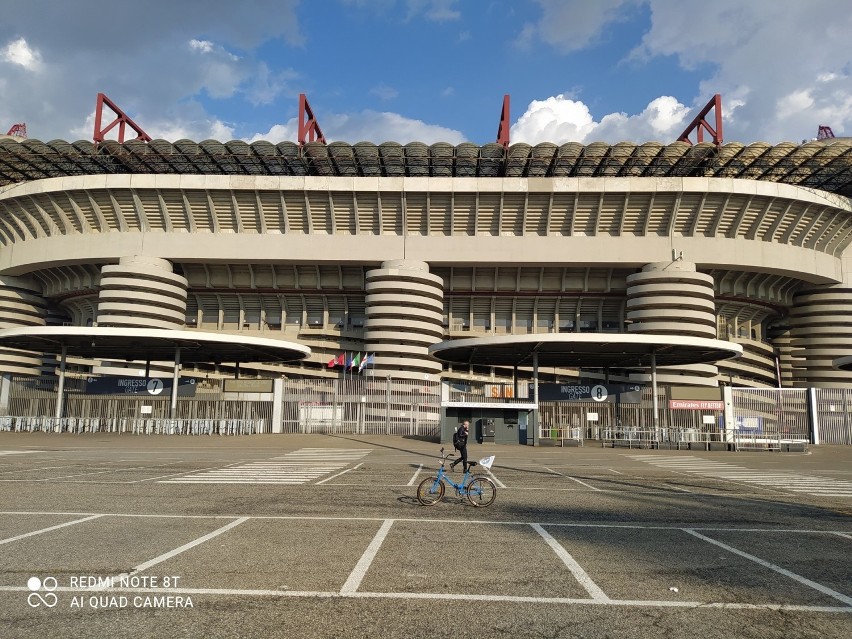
x=367 y=361
x=335 y=361
x=355 y=361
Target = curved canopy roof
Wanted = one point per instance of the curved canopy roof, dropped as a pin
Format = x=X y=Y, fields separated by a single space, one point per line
x=824 y=164
x=151 y=344
x=585 y=350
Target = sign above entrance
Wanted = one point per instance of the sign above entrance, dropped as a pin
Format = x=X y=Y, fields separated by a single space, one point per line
x=696 y=404
x=146 y=386
x=248 y=386
x=603 y=393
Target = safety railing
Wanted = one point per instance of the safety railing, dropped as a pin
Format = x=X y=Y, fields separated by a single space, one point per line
x=136 y=426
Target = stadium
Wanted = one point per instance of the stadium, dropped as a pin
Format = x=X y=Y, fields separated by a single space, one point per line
x=386 y=250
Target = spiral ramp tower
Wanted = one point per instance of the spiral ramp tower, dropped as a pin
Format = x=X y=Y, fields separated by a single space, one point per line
x=21 y=305
x=821 y=323
x=672 y=298
x=405 y=310
x=140 y=292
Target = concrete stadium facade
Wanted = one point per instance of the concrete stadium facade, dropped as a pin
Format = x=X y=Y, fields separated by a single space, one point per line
x=390 y=249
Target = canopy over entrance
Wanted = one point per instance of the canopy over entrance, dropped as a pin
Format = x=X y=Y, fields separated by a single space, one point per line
x=586 y=350
x=148 y=344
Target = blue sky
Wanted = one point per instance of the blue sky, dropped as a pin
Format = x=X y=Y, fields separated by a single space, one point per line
x=429 y=70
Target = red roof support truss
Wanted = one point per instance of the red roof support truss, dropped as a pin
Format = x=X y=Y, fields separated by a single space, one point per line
x=505 y=123
x=121 y=119
x=309 y=129
x=700 y=123
x=18 y=130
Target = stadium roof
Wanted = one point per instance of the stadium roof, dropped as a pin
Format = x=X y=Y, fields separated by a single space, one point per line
x=824 y=164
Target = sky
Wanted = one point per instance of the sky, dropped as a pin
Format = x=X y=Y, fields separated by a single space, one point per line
x=428 y=70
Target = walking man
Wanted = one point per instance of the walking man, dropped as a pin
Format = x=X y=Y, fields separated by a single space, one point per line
x=460 y=444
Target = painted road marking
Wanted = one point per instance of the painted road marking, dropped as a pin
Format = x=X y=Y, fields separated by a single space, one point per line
x=778 y=569
x=45 y=530
x=179 y=550
x=579 y=574
x=360 y=570
x=298 y=467
x=793 y=482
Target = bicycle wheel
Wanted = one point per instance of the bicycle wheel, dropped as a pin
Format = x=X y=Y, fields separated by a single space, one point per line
x=481 y=492
x=430 y=492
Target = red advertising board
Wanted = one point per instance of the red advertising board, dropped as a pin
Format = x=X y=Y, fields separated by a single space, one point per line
x=696 y=404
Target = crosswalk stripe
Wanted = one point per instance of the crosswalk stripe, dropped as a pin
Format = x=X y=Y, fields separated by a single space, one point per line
x=298 y=467
x=794 y=482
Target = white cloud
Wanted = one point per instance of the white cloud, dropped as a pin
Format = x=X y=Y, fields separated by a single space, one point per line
x=780 y=69
x=19 y=52
x=204 y=46
x=785 y=69
x=559 y=119
x=570 y=25
x=366 y=126
x=384 y=92
x=153 y=59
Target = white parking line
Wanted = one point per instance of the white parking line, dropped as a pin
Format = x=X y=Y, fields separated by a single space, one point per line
x=582 y=482
x=44 y=530
x=339 y=474
x=414 y=476
x=579 y=574
x=778 y=569
x=180 y=549
x=357 y=574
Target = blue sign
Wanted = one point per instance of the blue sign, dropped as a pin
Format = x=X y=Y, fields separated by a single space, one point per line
x=751 y=425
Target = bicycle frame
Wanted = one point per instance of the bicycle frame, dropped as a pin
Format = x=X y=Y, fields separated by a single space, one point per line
x=461 y=487
x=480 y=491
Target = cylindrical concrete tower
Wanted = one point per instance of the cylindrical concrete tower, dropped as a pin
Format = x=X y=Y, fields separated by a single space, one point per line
x=405 y=306
x=142 y=292
x=821 y=323
x=20 y=305
x=672 y=298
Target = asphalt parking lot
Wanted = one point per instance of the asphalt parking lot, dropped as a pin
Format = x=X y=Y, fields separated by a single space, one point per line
x=322 y=536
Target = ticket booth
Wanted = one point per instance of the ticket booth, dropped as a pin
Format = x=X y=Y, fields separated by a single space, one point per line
x=487 y=425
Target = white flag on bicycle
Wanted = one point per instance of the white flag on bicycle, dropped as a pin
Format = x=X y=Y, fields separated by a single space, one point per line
x=487 y=461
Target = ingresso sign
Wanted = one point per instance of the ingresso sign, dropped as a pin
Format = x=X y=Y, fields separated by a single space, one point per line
x=610 y=393
x=147 y=386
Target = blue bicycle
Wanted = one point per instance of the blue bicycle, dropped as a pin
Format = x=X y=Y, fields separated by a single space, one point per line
x=480 y=491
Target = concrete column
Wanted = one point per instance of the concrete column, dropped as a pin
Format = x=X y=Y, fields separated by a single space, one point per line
x=821 y=331
x=672 y=298
x=405 y=311
x=21 y=304
x=278 y=405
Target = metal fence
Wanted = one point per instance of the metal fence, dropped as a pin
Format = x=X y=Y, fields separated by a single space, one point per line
x=832 y=407
x=141 y=426
x=627 y=424
x=764 y=418
x=768 y=418
x=362 y=406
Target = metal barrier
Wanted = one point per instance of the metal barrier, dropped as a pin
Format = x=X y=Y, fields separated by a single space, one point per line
x=142 y=426
x=770 y=419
